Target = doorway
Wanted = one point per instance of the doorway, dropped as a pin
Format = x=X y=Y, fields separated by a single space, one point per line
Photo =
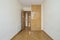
x=32 y=19
x=26 y=20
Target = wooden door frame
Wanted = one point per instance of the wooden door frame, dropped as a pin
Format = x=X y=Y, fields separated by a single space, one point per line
x=22 y=28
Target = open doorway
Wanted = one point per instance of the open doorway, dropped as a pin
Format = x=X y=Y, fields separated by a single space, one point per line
x=26 y=20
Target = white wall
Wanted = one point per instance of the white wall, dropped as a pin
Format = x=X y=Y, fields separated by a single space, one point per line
x=51 y=18
x=27 y=8
x=10 y=22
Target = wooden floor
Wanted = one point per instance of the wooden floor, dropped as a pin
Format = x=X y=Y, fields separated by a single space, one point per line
x=31 y=35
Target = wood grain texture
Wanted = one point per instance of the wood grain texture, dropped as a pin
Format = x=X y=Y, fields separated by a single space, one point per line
x=23 y=19
x=27 y=34
x=36 y=21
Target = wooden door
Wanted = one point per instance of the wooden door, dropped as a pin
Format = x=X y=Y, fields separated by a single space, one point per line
x=23 y=20
x=36 y=20
x=29 y=18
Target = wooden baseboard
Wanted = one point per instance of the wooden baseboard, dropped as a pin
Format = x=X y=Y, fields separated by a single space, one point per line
x=47 y=35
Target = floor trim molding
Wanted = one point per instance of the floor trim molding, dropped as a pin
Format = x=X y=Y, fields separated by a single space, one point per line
x=47 y=35
x=15 y=35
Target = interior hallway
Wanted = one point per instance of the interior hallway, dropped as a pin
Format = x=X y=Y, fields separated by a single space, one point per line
x=27 y=34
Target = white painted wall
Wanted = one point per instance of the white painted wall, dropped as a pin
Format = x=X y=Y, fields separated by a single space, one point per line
x=51 y=18
x=10 y=22
x=27 y=8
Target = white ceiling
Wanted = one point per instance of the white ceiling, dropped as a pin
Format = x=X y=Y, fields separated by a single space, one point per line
x=29 y=2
